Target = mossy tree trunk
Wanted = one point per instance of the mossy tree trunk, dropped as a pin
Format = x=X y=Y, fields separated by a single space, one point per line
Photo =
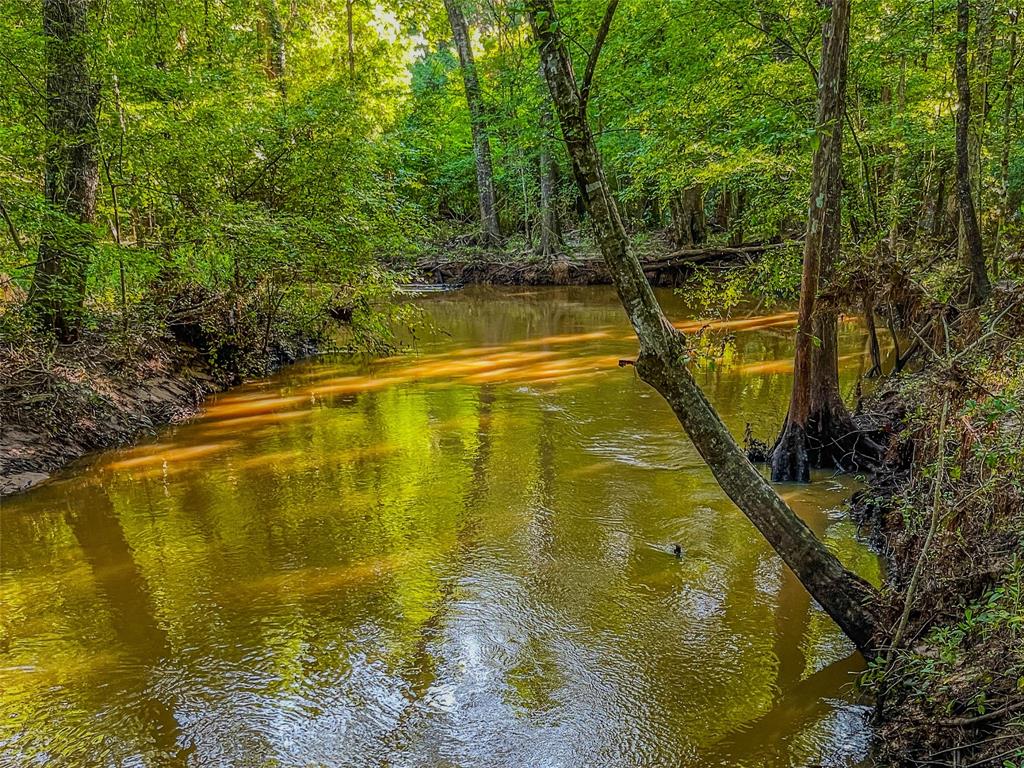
x=489 y=226
x=72 y=170
x=663 y=357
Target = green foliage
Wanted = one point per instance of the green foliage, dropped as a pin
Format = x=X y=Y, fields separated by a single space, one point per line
x=232 y=176
x=208 y=174
x=774 y=277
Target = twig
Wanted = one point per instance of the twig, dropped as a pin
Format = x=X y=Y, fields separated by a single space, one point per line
x=995 y=713
x=919 y=565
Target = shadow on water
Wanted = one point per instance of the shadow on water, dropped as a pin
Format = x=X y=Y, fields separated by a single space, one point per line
x=127 y=595
x=770 y=736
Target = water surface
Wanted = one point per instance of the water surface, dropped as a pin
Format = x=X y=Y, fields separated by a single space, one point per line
x=454 y=557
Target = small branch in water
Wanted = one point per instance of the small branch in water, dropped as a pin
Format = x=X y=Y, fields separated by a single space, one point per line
x=626 y=361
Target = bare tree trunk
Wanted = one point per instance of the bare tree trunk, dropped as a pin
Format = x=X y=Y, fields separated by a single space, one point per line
x=72 y=170
x=351 y=41
x=664 y=355
x=277 y=51
x=818 y=431
x=478 y=121
x=689 y=226
x=550 y=245
x=973 y=256
x=876 y=350
x=1004 y=155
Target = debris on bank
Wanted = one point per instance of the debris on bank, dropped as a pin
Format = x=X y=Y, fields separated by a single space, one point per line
x=666 y=267
x=949 y=516
x=109 y=388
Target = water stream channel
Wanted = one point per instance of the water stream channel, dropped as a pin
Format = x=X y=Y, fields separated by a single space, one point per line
x=459 y=556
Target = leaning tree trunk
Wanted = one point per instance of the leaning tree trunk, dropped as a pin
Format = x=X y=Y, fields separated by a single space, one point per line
x=978 y=287
x=478 y=123
x=818 y=431
x=72 y=170
x=664 y=355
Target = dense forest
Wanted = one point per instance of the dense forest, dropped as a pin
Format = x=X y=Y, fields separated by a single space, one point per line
x=195 y=194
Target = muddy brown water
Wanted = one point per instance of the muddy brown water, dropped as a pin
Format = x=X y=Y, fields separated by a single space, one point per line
x=455 y=557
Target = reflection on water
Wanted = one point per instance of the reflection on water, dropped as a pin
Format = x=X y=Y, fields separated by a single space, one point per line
x=455 y=557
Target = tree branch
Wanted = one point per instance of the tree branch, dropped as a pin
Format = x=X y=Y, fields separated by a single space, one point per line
x=588 y=74
x=13 y=230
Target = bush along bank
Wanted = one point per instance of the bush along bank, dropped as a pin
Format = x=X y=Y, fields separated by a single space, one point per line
x=118 y=381
x=949 y=514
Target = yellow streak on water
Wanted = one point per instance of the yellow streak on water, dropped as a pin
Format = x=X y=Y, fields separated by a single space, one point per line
x=251 y=407
x=171 y=455
x=311 y=581
x=262 y=418
x=274 y=458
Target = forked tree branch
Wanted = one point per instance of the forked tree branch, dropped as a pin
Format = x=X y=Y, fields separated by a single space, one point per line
x=595 y=52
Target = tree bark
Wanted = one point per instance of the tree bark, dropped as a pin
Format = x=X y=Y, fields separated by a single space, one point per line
x=689 y=226
x=978 y=287
x=1004 y=154
x=277 y=49
x=478 y=122
x=663 y=357
x=819 y=431
x=72 y=170
x=351 y=41
x=550 y=245
x=728 y=214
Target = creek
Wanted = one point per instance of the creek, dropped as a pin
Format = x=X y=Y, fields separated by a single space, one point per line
x=457 y=556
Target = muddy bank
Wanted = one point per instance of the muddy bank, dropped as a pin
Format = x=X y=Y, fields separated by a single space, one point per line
x=56 y=413
x=470 y=271
x=59 y=404
x=948 y=513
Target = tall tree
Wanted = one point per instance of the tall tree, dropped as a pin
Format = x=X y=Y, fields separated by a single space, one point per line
x=275 y=28
x=478 y=120
x=72 y=169
x=818 y=430
x=978 y=286
x=351 y=41
x=550 y=242
x=664 y=354
x=1004 y=153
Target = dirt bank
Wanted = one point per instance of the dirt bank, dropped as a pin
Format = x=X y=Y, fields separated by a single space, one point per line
x=663 y=266
x=949 y=515
x=58 y=403
x=58 y=409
